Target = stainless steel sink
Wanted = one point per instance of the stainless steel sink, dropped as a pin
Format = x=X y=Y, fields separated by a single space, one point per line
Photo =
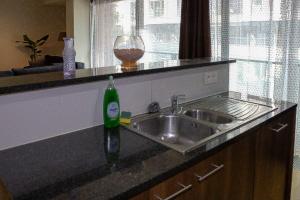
x=197 y=122
x=176 y=131
x=209 y=116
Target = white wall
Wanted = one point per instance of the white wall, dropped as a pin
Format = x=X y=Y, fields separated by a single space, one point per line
x=33 y=116
x=70 y=18
x=78 y=26
x=30 y=17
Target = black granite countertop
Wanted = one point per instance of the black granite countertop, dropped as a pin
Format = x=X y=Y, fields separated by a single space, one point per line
x=9 y=85
x=97 y=164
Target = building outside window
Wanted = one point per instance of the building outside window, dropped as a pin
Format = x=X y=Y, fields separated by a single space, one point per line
x=157 y=8
x=155 y=21
x=258 y=2
x=235 y=7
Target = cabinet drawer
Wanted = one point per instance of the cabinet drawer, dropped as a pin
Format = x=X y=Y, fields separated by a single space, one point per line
x=209 y=178
x=179 y=187
x=280 y=124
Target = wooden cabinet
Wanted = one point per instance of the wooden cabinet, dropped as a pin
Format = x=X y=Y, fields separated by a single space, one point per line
x=257 y=166
x=178 y=187
x=4 y=194
x=239 y=169
x=209 y=178
x=274 y=152
x=228 y=174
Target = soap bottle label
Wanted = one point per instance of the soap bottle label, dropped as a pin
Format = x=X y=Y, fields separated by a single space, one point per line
x=113 y=110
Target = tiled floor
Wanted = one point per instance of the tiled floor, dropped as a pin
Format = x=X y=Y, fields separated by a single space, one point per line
x=296 y=185
x=296 y=177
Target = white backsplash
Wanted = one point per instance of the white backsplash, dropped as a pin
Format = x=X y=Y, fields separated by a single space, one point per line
x=32 y=116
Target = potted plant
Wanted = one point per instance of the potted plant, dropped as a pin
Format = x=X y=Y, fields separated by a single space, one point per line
x=34 y=47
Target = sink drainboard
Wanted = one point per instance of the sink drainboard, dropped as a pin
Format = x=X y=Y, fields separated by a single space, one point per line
x=239 y=109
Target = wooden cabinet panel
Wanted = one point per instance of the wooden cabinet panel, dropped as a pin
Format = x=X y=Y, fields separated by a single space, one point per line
x=209 y=178
x=239 y=169
x=179 y=187
x=291 y=116
x=141 y=196
x=4 y=194
x=273 y=144
x=233 y=175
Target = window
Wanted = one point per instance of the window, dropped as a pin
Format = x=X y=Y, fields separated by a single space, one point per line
x=157 y=8
x=155 y=21
x=258 y=2
x=235 y=7
x=255 y=33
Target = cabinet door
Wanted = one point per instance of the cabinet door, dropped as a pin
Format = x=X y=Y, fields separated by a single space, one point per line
x=239 y=169
x=178 y=187
x=273 y=146
x=228 y=175
x=209 y=178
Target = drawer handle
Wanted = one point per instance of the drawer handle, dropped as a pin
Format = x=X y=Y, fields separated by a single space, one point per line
x=282 y=127
x=217 y=168
x=176 y=194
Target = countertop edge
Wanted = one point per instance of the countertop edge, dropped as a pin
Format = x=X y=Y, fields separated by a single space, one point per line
x=26 y=87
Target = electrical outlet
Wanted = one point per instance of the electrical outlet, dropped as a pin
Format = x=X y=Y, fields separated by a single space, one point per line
x=211 y=77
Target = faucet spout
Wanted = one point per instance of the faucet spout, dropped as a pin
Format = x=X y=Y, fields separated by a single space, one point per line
x=174 y=102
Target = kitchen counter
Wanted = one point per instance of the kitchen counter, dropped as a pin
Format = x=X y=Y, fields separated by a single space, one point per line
x=96 y=164
x=15 y=84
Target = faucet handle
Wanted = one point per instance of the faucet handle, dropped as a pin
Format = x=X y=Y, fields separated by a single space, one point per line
x=154 y=107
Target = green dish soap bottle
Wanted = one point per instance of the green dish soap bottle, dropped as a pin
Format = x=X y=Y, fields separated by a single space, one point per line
x=111 y=106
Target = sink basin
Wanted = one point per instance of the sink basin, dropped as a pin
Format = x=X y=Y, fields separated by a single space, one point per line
x=199 y=124
x=209 y=116
x=173 y=129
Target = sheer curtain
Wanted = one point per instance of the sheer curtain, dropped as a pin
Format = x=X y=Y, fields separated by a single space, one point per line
x=109 y=18
x=156 y=21
x=264 y=37
x=101 y=18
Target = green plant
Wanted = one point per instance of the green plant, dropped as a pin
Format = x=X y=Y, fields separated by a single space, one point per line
x=34 y=46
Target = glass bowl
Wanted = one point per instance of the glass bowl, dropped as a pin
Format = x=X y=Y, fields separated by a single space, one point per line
x=129 y=49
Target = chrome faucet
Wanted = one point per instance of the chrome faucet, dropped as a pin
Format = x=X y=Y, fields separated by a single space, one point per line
x=174 y=102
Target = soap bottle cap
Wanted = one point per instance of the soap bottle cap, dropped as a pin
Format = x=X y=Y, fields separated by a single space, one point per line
x=111 y=82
